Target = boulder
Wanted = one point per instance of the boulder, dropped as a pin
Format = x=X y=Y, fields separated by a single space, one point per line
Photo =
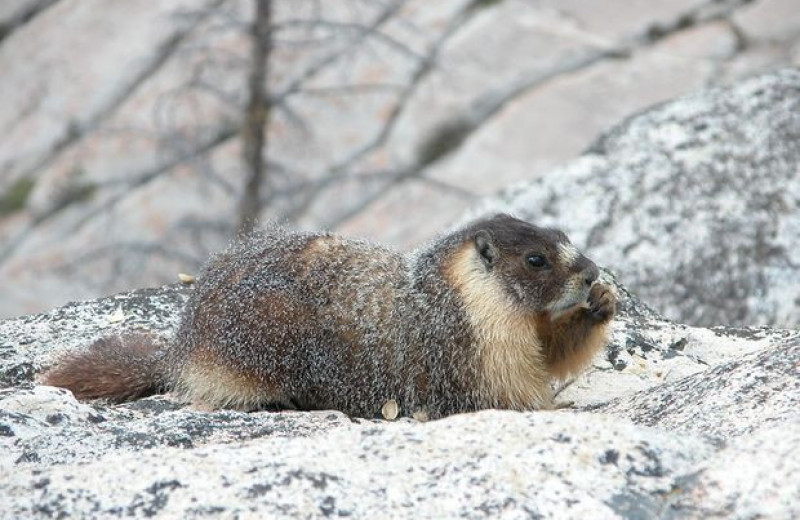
x=668 y=422
x=695 y=204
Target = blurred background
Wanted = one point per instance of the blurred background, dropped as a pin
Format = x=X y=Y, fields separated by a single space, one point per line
x=138 y=136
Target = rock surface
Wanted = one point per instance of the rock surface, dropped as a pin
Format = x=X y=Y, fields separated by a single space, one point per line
x=667 y=423
x=759 y=390
x=695 y=204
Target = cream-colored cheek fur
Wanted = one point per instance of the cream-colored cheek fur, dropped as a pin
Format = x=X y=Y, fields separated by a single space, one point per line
x=509 y=351
x=214 y=386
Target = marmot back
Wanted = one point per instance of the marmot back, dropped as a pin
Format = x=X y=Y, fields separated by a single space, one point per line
x=484 y=317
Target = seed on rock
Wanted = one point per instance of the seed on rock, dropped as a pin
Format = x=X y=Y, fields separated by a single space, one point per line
x=390 y=410
x=186 y=278
x=420 y=415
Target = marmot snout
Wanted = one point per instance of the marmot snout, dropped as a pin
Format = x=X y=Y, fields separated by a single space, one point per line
x=484 y=317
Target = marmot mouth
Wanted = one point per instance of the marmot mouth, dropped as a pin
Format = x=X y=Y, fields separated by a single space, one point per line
x=572 y=299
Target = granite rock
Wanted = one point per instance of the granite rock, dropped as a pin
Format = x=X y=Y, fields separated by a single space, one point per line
x=667 y=423
x=694 y=204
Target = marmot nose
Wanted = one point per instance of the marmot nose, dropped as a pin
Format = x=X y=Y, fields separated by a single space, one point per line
x=590 y=274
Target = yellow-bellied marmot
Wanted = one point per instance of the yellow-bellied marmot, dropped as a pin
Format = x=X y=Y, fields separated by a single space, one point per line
x=484 y=317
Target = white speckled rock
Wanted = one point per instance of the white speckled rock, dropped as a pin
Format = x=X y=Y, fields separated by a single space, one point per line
x=45 y=425
x=695 y=204
x=644 y=441
x=28 y=341
x=765 y=485
x=728 y=400
x=547 y=464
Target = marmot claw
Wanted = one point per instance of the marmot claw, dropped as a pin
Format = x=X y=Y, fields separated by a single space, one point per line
x=602 y=302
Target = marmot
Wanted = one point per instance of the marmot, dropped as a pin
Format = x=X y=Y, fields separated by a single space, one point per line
x=484 y=317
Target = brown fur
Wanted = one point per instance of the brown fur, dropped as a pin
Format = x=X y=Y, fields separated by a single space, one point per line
x=571 y=339
x=569 y=343
x=116 y=368
x=312 y=320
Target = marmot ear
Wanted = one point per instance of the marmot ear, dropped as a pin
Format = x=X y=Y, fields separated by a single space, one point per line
x=487 y=250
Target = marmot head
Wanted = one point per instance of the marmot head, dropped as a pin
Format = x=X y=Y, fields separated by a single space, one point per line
x=538 y=267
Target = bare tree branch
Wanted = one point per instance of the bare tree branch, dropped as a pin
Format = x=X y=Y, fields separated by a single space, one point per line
x=453 y=133
x=359 y=29
x=257 y=111
x=77 y=131
x=323 y=63
x=224 y=135
x=423 y=68
x=23 y=14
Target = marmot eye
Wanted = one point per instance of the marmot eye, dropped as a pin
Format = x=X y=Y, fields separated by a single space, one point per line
x=537 y=261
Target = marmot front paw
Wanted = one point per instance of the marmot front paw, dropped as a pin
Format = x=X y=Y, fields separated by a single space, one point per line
x=602 y=302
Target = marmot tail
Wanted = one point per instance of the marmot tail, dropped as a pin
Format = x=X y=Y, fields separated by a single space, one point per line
x=115 y=368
